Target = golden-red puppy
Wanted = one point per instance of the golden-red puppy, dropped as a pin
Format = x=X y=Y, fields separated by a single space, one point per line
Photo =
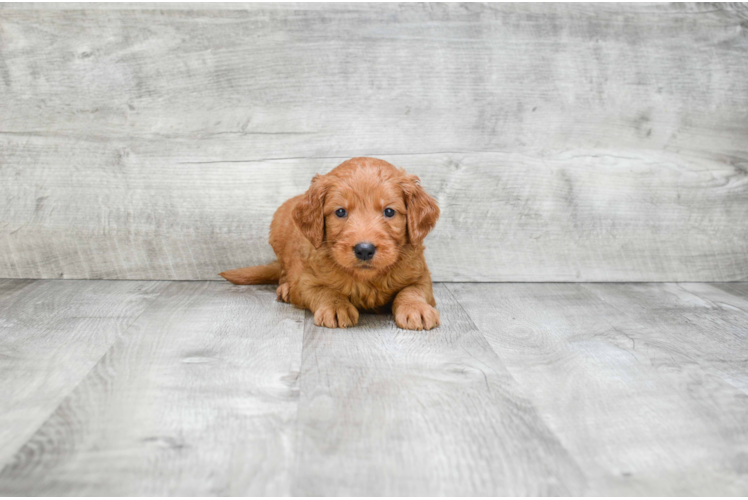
x=353 y=241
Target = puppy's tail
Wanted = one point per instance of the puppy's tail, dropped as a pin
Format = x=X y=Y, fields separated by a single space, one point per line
x=254 y=275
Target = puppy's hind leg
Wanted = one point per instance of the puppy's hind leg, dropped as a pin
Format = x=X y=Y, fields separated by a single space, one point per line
x=255 y=275
x=282 y=292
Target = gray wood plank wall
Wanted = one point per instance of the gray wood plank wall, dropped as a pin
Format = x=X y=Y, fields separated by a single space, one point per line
x=567 y=142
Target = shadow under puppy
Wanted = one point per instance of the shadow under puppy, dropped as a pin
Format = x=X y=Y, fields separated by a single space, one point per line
x=353 y=241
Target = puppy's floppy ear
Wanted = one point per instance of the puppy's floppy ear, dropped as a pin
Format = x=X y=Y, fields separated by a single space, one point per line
x=308 y=213
x=422 y=212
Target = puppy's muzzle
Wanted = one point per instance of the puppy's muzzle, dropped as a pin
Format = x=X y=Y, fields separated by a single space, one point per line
x=364 y=251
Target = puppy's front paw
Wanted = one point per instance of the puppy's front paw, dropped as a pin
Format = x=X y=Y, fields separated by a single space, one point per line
x=282 y=292
x=338 y=315
x=416 y=316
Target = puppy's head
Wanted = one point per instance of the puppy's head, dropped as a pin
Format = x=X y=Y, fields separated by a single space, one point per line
x=364 y=211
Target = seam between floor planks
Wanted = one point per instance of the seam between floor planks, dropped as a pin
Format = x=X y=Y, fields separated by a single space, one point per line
x=9 y=452
x=363 y=396
x=558 y=339
x=384 y=322
x=72 y=389
x=229 y=321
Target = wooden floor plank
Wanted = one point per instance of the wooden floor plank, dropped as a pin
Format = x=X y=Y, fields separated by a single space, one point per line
x=52 y=333
x=603 y=389
x=624 y=379
x=704 y=323
x=385 y=411
x=8 y=288
x=198 y=397
x=738 y=289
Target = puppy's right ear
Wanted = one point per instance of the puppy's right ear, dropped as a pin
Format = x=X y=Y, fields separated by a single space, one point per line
x=308 y=213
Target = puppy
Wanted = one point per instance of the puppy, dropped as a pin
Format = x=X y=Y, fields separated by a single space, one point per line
x=353 y=241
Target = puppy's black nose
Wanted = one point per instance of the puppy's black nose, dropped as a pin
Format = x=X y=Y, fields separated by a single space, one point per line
x=364 y=251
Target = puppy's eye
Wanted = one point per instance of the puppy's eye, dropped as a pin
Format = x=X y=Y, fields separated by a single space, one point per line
x=388 y=212
x=341 y=212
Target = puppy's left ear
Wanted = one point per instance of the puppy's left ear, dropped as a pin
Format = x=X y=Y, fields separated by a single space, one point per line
x=308 y=213
x=422 y=212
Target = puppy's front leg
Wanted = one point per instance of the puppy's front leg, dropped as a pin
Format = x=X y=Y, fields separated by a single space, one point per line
x=331 y=309
x=413 y=307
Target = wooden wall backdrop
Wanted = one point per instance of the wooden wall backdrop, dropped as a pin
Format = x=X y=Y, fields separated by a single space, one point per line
x=566 y=142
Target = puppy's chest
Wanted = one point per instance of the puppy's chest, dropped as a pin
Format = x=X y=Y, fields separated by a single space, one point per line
x=367 y=296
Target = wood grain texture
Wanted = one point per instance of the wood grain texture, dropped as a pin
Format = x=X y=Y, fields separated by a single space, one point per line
x=577 y=389
x=52 y=334
x=388 y=412
x=637 y=381
x=198 y=397
x=704 y=324
x=564 y=142
x=739 y=290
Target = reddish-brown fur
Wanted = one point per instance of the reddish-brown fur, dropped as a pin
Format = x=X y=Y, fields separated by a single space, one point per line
x=316 y=267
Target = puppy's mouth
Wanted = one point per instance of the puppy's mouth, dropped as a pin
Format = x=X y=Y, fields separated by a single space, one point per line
x=365 y=267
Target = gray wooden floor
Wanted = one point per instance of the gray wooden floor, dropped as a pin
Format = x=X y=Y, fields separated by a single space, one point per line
x=178 y=388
